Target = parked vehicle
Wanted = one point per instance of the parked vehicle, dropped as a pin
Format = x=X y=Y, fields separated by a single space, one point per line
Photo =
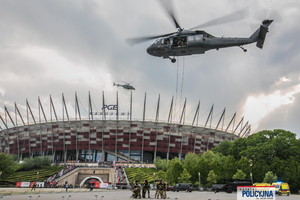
x=217 y=187
x=231 y=185
x=188 y=187
x=282 y=188
x=169 y=188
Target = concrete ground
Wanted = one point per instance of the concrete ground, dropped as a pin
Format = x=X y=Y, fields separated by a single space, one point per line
x=99 y=194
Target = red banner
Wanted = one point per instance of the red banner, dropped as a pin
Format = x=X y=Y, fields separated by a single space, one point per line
x=18 y=184
x=97 y=185
x=22 y=184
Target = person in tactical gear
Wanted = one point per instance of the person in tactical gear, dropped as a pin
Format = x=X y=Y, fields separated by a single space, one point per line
x=136 y=190
x=160 y=187
x=156 y=190
x=165 y=188
x=146 y=188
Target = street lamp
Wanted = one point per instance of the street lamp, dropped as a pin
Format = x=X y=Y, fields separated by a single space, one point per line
x=199 y=182
x=251 y=178
x=153 y=179
x=37 y=176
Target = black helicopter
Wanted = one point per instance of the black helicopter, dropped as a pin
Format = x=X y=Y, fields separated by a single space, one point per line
x=189 y=42
x=126 y=86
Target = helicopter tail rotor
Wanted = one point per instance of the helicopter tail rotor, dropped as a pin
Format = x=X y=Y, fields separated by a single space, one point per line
x=266 y=15
x=260 y=34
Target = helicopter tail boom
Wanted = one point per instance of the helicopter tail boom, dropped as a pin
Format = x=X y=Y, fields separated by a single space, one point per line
x=114 y=84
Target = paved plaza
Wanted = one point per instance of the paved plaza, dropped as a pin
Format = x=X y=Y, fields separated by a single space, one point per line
x=99 y=194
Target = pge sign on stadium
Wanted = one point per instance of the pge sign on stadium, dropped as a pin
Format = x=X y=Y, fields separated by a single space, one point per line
x=110 y=107
x=256 y=193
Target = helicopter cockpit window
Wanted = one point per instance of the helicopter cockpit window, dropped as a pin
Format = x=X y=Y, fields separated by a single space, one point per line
x=159 y=41
x=166 y=41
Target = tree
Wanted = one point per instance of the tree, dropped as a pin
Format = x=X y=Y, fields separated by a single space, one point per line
x=189 y=163
x=244 y=165
x=202 y=166
x=239 y=175
x=160 y=164
x=270 y=177
x=291 y=173
x=192 y=157
x=169 y=172
x=210 y=156
x=229 y=167
x=278 y=166
x=217 y=167
x=7 y=165
x=161 y=174
x=259 y=169
x=27 y=164
x=237 y=147
x=223 y=148
x=37 y=162
x=190 y=167
x=46 y=161
x=176 y=171
x=211 y=178
x=184 y=177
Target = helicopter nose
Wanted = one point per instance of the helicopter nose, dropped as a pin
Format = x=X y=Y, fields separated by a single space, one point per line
x=151 y=50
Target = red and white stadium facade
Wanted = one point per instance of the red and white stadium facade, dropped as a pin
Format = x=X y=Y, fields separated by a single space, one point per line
x=97 y=138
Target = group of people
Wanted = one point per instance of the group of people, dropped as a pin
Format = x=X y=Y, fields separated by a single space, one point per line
x=160 y=189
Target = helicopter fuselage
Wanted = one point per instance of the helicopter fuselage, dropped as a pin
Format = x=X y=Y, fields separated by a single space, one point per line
x=192 y=42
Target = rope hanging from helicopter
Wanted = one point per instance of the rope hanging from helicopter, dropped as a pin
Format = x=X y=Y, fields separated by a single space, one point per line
x=176 y=90
x=182 y=81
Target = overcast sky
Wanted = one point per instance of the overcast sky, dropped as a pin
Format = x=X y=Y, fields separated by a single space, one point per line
x=50 y=47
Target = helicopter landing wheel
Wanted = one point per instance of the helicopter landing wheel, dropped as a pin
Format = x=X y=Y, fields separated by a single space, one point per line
x=173 y=60
x=245 y=50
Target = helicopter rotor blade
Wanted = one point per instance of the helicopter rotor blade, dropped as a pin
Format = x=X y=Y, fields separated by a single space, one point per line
x=235 y=16
x=133 y=41
x=167 y=4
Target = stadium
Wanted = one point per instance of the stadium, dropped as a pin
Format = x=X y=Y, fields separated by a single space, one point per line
x=90 y=135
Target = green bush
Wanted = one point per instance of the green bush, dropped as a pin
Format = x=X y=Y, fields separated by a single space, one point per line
x=35 y=163
x=30 y=176
x=148 y=173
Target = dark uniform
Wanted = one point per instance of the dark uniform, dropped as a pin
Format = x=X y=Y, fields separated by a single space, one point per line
x=160 y=187
x=165 y=189
x=33 y=187
x=146 y=188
